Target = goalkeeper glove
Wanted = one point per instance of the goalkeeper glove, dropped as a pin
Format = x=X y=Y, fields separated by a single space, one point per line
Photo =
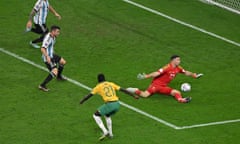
x=199 y=75
x=141 y=76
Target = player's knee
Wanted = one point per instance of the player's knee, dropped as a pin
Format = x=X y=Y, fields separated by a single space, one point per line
x=145 y=94
x=63 y=61
x=174 y=91
x=54 y=71
x=53 y=75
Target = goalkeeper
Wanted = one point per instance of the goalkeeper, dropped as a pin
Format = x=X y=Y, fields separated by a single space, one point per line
x=162 y=78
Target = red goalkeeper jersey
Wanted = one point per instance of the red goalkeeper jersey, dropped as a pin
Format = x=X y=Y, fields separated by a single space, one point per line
x=167 y=74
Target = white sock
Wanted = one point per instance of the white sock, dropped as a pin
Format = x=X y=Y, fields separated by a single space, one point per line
x=132 y=90
x=109 y=125
x=100 y=124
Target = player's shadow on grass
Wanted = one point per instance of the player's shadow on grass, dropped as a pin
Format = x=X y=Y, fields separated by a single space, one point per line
x=124 y=26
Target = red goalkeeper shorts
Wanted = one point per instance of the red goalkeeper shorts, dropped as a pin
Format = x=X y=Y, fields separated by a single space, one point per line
x=159 y=89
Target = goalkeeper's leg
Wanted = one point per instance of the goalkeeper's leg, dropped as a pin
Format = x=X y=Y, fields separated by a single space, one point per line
x=178 y=96
x=139 y=92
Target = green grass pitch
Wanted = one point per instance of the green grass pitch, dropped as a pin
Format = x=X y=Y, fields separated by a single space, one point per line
x=121 y=40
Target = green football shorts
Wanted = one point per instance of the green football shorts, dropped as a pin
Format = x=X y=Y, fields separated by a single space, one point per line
x=109 y=108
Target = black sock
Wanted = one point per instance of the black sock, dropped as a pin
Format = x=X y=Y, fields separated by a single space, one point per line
x=60 y=69
x=38 y=40
x=36 y=31
x=47 y=80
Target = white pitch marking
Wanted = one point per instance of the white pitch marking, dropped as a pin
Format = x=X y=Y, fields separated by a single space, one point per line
x=182 y=23
x=210 y=124
x=122 y=103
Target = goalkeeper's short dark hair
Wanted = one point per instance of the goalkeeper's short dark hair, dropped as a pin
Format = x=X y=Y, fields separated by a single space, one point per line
x=174 y=56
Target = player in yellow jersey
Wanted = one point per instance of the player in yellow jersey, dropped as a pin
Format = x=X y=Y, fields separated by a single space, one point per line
x=107 y=90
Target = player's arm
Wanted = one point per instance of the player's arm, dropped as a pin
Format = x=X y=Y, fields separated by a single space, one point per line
x=127 y=92
x=194 y=75
x=29 y=23
x=153 y=74
x=44 y=52
x=54 y=12
x=86 y=98
x=141 y=76
x=33 y=12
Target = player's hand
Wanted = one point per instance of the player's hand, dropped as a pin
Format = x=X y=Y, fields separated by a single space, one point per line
x=29 y=25
x=199 y=75
x=58 y=16
x=49 y=60
x=141 y=76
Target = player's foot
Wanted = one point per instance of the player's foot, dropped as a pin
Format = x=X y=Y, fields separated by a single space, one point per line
x=61 y=78
x=27 y=30
x=188 y=99
x=103 y=137
x=185 y=100
x=43 y=88
x=131 y=90
x=34 y=45
x=110 y=136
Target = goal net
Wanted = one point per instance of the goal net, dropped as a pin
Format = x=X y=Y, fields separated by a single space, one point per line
x=231 y=5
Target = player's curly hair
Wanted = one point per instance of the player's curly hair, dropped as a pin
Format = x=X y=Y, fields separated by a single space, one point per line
x=101 y=77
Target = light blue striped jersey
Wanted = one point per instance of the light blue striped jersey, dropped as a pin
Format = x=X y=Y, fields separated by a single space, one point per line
x=41 y=8
x=48 y=44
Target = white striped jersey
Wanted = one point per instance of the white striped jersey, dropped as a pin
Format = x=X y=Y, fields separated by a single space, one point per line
x=48 y=44
x=41 y=8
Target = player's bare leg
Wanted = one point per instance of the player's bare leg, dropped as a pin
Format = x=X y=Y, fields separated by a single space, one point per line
x=60 y=69
x=144 y=94
x=178 y=96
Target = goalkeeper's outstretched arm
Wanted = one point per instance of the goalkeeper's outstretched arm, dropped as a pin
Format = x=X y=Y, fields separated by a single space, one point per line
x=194 y=75
x=141 y=76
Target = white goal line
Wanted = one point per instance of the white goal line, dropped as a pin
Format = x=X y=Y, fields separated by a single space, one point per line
x=122 y=103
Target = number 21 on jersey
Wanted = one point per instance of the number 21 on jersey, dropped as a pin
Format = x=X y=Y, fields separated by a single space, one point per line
x=109 y=91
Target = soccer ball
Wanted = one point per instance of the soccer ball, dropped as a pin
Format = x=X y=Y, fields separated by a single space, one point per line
x=185 y=87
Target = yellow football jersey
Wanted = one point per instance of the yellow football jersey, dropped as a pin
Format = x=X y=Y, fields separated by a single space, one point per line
x=107 y=90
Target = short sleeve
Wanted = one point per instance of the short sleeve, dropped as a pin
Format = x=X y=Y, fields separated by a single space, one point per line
x=37 y=5
x=163 y=69
x=94 y=90
x=46 y=41
x=115 y=86
x=181 y=69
